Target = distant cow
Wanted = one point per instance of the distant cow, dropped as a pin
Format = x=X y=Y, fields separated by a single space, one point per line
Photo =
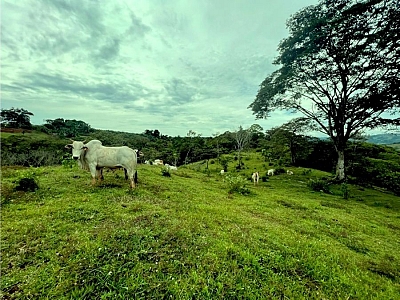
x=93 y=156
x=222 y=172
x=256 y=177
x=171 y=167
x=271 y=172
x=289 y=172
x=158 y=162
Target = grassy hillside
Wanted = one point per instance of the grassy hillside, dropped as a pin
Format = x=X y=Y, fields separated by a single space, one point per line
x=185 y=237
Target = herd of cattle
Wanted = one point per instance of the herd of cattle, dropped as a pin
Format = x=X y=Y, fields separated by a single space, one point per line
x=94 y=157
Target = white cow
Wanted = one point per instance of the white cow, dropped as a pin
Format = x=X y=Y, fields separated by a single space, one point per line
x=289 y=172
x=158 y=162
x=171 y=167
x=222 y=172
x=271 y=172
x=256 y=177
x=93 y=156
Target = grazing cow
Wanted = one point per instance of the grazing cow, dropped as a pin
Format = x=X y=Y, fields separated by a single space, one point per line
x=147 y=162
x=289 y=172
x=171 y=167
x=271 y=172
x=256 y=177
x=93 y=156
x=158 y=162
x=222 y=172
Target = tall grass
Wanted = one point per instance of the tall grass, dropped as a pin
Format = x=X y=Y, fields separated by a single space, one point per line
x=186 y=236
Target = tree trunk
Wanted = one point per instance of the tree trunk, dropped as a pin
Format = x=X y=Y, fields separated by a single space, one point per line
x=340 y=166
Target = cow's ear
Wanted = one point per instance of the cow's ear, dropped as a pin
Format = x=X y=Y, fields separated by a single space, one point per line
x=69 y=146
x=85 y=148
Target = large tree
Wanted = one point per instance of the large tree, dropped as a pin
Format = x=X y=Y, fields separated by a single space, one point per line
x=291 y=136
x=340 y=68
x=16 y=118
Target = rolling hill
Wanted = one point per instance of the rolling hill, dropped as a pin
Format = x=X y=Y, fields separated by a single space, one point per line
x=186 y=237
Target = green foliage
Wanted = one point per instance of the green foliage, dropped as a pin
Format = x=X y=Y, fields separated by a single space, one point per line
x=16 y=118
x=32 y=149
x=323 y=60
x=237 y=184
x=165 y=172
x=224 y=162
x=27 y=185
x=319 y=185
x=68 y=163
x=68 y=128
x=279 y=170
x=345 y=190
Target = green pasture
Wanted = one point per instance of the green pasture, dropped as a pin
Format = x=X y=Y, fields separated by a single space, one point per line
x=186 y=237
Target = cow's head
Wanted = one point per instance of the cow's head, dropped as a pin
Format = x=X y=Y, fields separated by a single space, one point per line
x=78 y=148
x=138 y=152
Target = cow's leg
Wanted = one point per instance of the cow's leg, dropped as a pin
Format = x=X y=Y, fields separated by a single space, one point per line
x=126 y=174
x=93 y=171
x=131 y=175
x=99 y=174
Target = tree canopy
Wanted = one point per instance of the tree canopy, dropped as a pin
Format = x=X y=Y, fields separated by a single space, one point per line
x=340 y=68
x=16 y=118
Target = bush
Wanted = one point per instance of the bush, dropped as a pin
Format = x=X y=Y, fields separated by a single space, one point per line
x=345 y=190
x=237 y=184
x=279 y=170
x=390 y=180
x=319 y=185
x=68 y=163
x=165 y=172
x=27 y=185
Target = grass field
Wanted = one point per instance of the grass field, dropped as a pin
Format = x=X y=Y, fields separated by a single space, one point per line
x=186 y=237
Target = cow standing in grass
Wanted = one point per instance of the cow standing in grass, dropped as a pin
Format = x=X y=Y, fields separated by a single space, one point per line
x=93 y=156
x=256 y=177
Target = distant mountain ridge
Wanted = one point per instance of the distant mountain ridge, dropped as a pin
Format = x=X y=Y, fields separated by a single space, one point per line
x=384 y=138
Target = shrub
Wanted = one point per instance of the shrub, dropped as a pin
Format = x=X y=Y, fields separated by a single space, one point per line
x=319 y=186
x=237 y=184
x=279 y=170
x=165 y=172
x=27 y=185
x=68 y=163
x=345 y=191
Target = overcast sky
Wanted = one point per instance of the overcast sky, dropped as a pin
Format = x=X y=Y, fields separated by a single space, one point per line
x=171 y=65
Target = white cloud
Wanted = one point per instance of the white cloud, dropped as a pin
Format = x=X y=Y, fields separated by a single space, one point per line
x=129 y=66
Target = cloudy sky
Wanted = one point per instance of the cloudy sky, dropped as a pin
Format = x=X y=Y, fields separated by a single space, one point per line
x=171 y=65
